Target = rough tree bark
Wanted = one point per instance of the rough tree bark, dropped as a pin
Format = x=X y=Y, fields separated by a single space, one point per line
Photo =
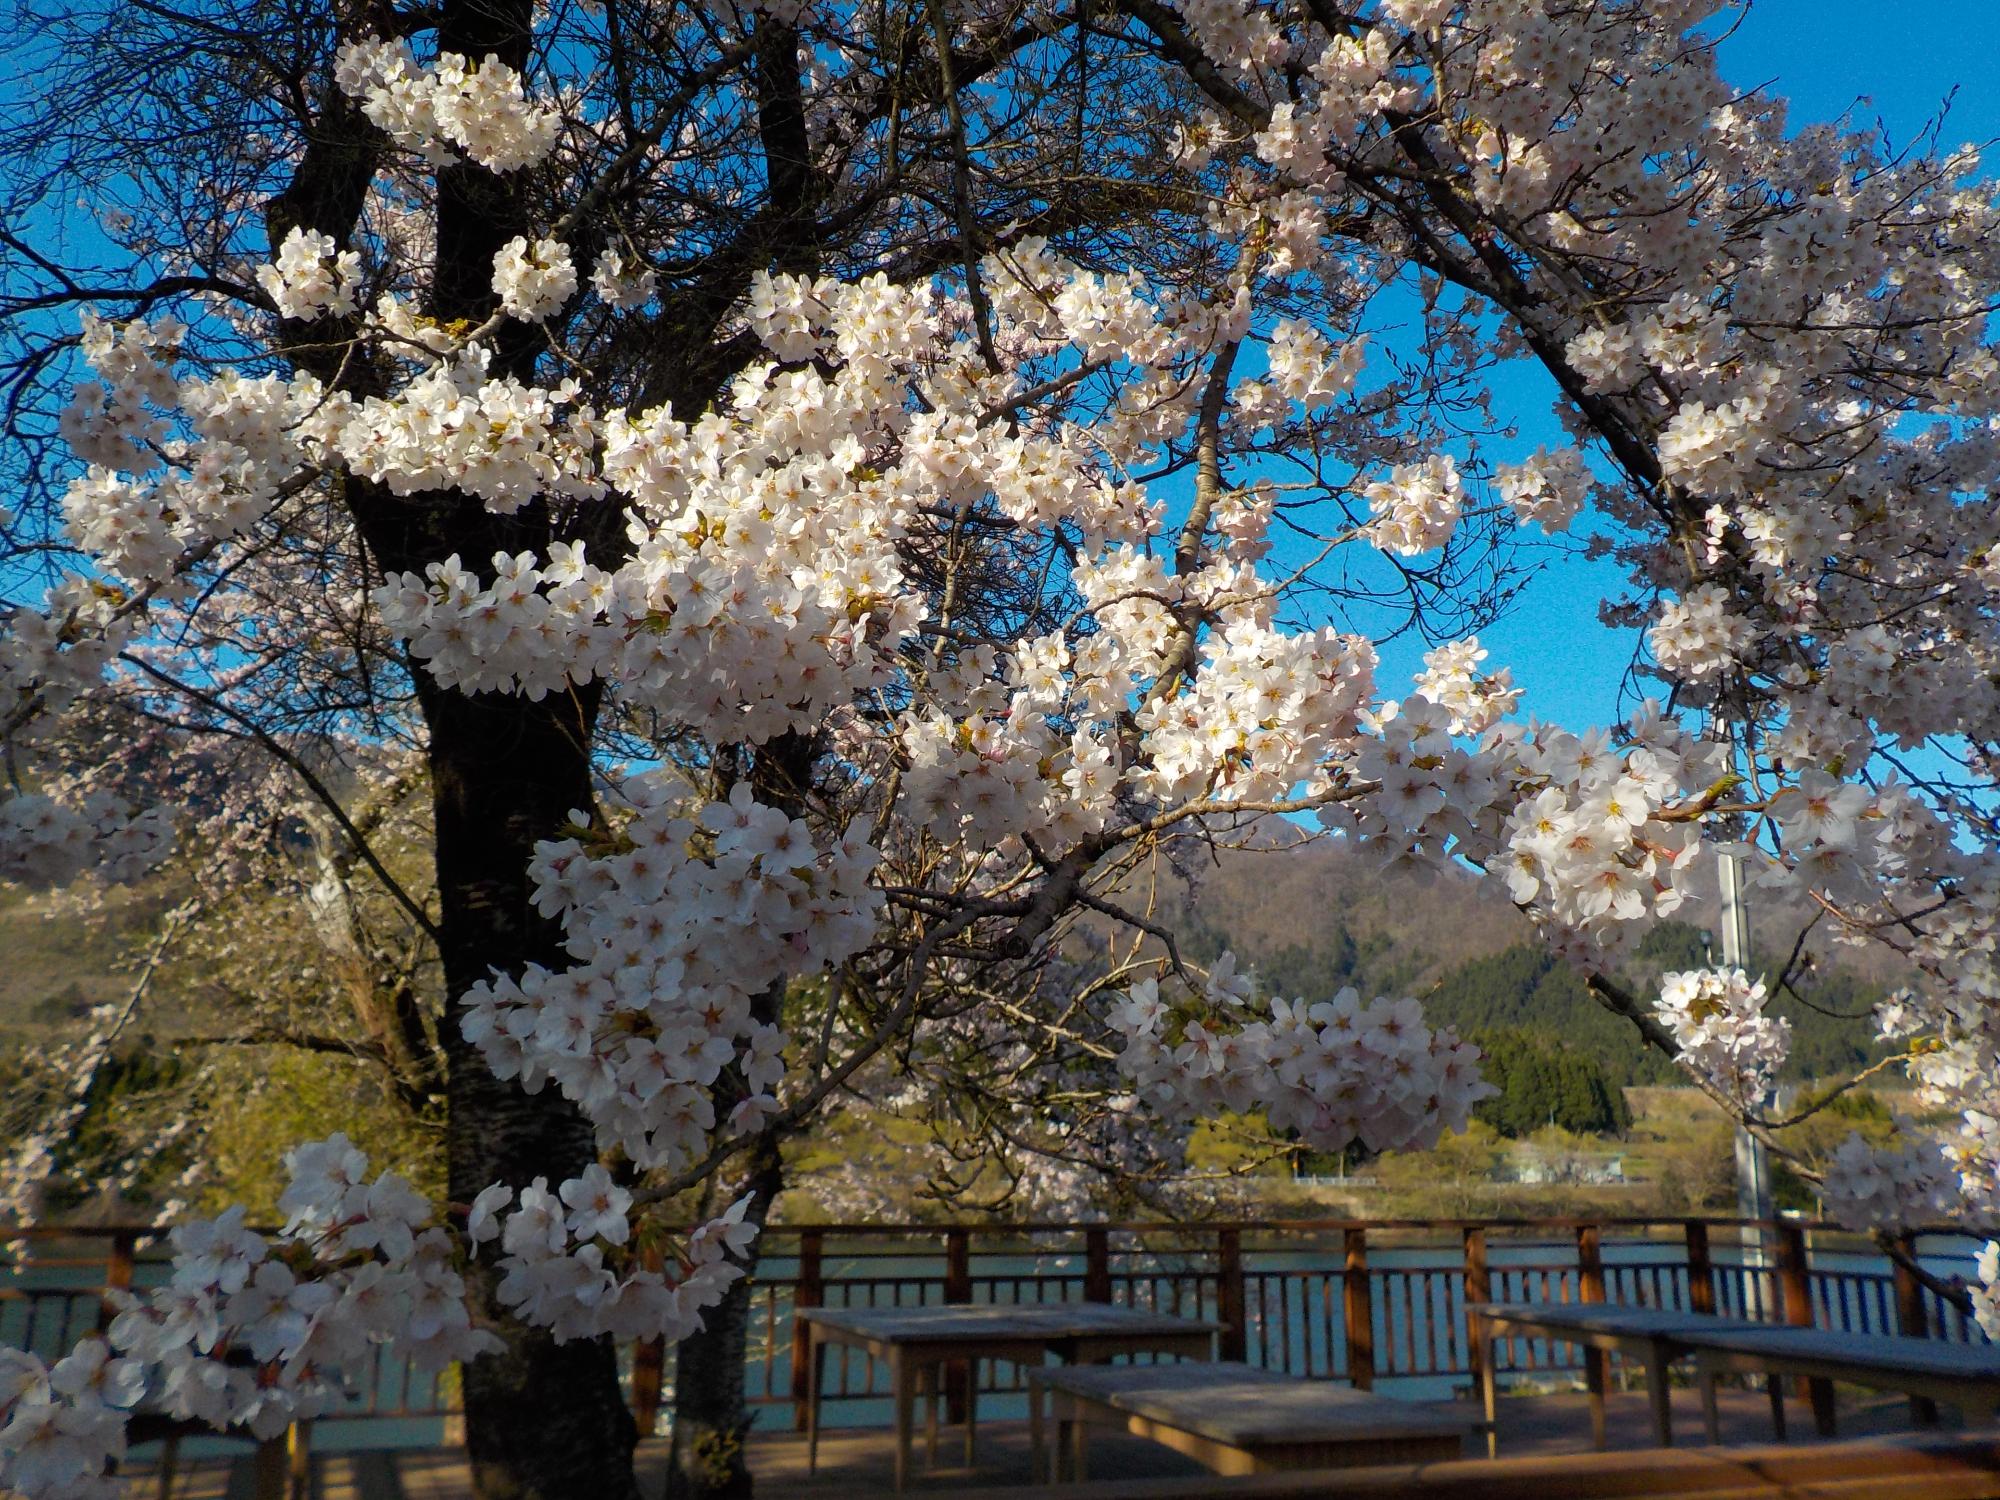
x=711 y=1413
x=542 y=1420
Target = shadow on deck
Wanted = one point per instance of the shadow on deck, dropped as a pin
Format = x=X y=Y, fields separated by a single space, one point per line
x=855 y=1462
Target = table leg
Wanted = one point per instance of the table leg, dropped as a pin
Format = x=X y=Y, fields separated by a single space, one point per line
x=1035 y=1439
x=1489 y=1393
x=1061 y=1415
x=815 y=1375
x=298 y=1455
x=268 y=1468
x=1711 y=1414
x=971 y=1407
x=901 y=1377
x=1593 y=1379
x=170 y=1455
x=927 y=1384
x=1079 y=1451
x=1821 y=1394
x=1658 y=1394
x=1775 y=1389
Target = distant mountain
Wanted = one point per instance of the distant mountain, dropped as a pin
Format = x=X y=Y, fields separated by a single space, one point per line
x=1321 y=914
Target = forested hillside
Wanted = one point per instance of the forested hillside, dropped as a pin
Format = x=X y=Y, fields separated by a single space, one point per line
x=1321 y=916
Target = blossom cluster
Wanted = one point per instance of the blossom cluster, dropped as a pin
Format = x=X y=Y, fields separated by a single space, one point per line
x=1699 y=635
x=1586 y=837
x=114 y=418
x=1417 y=507
x=1546 y=489
x=1335 y=1071
x=60 y=1425
x=312 y=277
x=533 y=279
x=249 y=1333
x=554 y=1248
x=1718 y=1021
x=481 y=108
x=453 y=427
x=59 y=651
x=1908 y=1186
x=1452 y=680
x=46 y=843
x=675 y=927
x=252 y=1332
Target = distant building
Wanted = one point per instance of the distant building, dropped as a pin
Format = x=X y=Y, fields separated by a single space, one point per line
x=1531 y=1163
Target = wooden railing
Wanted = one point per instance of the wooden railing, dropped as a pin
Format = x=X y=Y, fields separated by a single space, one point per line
x=1367 y=1301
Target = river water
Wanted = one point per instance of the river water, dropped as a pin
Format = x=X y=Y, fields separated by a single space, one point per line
x=1295 y=1314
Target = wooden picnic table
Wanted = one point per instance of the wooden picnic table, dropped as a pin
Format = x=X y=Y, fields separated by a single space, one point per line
x=1964 y=1375
x=1234 y=1418
x=917 y=1342
x=1655 y=1335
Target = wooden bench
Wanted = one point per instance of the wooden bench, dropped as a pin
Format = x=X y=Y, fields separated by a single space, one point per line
x=1655 y=1336
x=1234 y=1418
x=1963 y=1375
x=917 y=1343
x=1919 y=1467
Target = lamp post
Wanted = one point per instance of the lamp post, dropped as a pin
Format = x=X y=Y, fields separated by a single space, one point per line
x=1753 y=1161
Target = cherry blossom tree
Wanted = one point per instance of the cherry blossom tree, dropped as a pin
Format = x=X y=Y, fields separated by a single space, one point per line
x=828 y=491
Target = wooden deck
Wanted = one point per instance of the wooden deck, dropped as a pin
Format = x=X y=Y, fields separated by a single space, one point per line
x=855 y=1463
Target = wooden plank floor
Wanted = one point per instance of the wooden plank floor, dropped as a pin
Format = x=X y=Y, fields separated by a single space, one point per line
x=855 y=1462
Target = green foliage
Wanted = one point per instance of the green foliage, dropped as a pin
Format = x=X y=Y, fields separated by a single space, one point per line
x=1544 y=1082
x=1526 y=989
x=268 y=1099
x=128 y=1085
x=1325 y=968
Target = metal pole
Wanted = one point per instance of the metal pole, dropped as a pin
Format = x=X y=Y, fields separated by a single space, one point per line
x=1753 y=1162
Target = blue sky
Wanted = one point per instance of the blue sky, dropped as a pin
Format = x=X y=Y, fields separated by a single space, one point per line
x=1892 y=63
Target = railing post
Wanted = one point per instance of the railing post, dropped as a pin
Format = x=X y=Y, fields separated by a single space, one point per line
x=1097 y=1264
x=117 y=1273
x=1795 y=1286
x=1701 y=1269
x=1912 y=1320
x=809 y=1291
x=649 y=1364
x=1590 y=1288
x=1231 y=1306
x=1358 y=1312
x=1794 y=1282
x=958 y=1288
x=957 y=1265
x=1478 y=1288
x=1589 y=1263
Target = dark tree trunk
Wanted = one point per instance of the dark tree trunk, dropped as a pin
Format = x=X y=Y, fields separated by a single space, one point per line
x=711 y=1415
x=542 y=1420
